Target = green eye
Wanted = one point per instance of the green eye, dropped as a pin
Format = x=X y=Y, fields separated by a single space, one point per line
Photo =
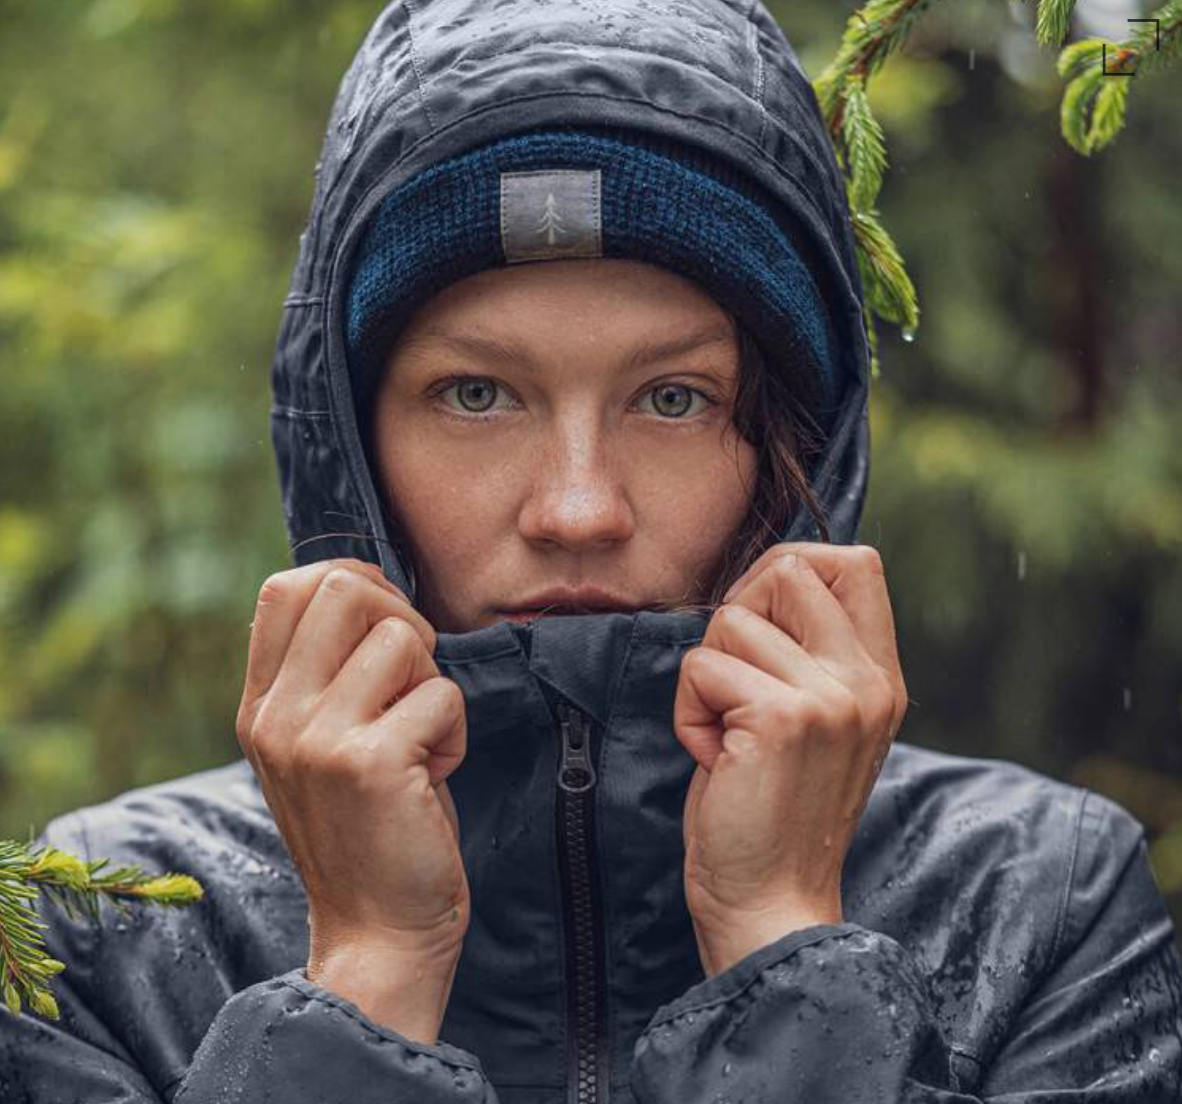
x=666 y=398
x=469 y=388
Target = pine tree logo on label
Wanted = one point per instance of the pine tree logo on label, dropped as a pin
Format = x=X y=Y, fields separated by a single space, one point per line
x=551 y=214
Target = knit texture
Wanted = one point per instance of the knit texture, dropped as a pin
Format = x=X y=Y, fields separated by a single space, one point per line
x=662 y=202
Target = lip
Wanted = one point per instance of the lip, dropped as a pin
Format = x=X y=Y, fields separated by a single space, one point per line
x=584 y=600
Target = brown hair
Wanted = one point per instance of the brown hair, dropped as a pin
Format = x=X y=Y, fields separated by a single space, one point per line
x=771 y=413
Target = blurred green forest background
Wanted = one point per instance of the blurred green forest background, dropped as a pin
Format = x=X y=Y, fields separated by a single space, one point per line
x=156 y=164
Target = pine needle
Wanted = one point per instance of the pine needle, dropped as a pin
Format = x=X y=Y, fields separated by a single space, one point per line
x=77 y=885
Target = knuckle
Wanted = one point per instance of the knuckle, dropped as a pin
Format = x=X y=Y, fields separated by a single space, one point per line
x=340 y=580
x=274 y=588
x=730 y=616
x=451 y=694
x=696 y=659
x=867 y=558
x=395 y=632
x=353 y=762
x=787 y=714
x=267 y=742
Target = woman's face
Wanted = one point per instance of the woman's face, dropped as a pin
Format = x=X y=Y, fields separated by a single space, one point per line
x=530 y=434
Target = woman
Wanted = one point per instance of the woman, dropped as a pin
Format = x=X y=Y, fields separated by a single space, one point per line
x=664 y=851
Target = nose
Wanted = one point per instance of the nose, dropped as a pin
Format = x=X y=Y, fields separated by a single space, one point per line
x=578 y=496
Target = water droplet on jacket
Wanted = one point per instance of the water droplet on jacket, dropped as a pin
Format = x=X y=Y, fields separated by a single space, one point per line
x=726 y=1068
x=690 y=1017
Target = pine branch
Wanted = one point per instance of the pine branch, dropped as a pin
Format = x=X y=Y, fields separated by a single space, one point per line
x=1091 y=115
x=1096 y=97
x=78 y=886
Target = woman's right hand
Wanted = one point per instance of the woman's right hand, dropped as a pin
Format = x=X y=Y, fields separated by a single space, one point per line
x=352 y=732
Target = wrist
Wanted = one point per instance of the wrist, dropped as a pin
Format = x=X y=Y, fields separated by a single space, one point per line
x=402 y=988
x=724 y=941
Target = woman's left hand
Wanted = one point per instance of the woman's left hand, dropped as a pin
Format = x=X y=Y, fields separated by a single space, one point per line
x=789 y=707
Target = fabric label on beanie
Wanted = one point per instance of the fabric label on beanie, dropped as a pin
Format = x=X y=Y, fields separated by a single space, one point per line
x=551 y=214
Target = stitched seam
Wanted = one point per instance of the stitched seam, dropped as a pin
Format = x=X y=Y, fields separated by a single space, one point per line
x=728 y=997
x=375 y=1029
x=293 y=412
x=1069 y=881
x=595 y=46
x=480 y=658
x=967 y=1052
x=758 y=91
x=412 y=14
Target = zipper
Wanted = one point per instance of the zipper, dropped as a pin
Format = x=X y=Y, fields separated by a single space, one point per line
x=587 y=1054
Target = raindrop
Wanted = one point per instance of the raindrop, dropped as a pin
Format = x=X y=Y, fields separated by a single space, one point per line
x=972 y=58
x=1127 y=697
x=726 y=1069
x=1154 y=1054
x=1021 y=565
x=909 y=334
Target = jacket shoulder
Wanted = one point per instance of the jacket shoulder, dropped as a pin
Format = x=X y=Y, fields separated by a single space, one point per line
x=182 y=823
x=989 y=872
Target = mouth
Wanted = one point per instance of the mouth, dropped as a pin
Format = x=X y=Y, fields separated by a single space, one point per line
x=560 y=611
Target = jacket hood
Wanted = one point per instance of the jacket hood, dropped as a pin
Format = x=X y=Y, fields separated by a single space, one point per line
x=437 y=78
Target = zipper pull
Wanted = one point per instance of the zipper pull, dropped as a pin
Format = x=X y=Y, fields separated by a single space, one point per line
x=575 y=773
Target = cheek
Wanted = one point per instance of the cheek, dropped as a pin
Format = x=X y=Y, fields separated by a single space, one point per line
x=447 y=497
x=698 y=500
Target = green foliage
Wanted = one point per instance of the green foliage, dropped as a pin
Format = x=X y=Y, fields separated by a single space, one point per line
x=76 y=885
x=1092 y=114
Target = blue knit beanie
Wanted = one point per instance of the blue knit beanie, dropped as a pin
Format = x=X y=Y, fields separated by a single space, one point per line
x=591 y=191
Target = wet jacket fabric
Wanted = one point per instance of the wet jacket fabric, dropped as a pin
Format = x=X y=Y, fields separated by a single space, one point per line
x=1003 y=938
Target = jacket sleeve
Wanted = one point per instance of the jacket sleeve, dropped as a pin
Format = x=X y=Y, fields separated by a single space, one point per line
x=283 y=1039
x=841 y=1013
x=287 y=1039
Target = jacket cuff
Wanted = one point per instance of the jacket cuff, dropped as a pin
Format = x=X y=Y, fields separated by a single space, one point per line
x=833 y=1012
x=288 y=1039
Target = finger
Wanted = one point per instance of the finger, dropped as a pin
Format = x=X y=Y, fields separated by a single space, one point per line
x=343 y=609
x=790 y=594
x=739 y=631
x=390 y=662
x=282 y=600
x=428 y=727
x=721 y=696
x=854 y=574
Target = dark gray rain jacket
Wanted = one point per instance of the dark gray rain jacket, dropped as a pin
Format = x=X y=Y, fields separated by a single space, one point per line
x=1004 y=939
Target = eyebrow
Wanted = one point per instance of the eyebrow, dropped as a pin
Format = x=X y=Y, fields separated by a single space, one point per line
x=647 y=352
